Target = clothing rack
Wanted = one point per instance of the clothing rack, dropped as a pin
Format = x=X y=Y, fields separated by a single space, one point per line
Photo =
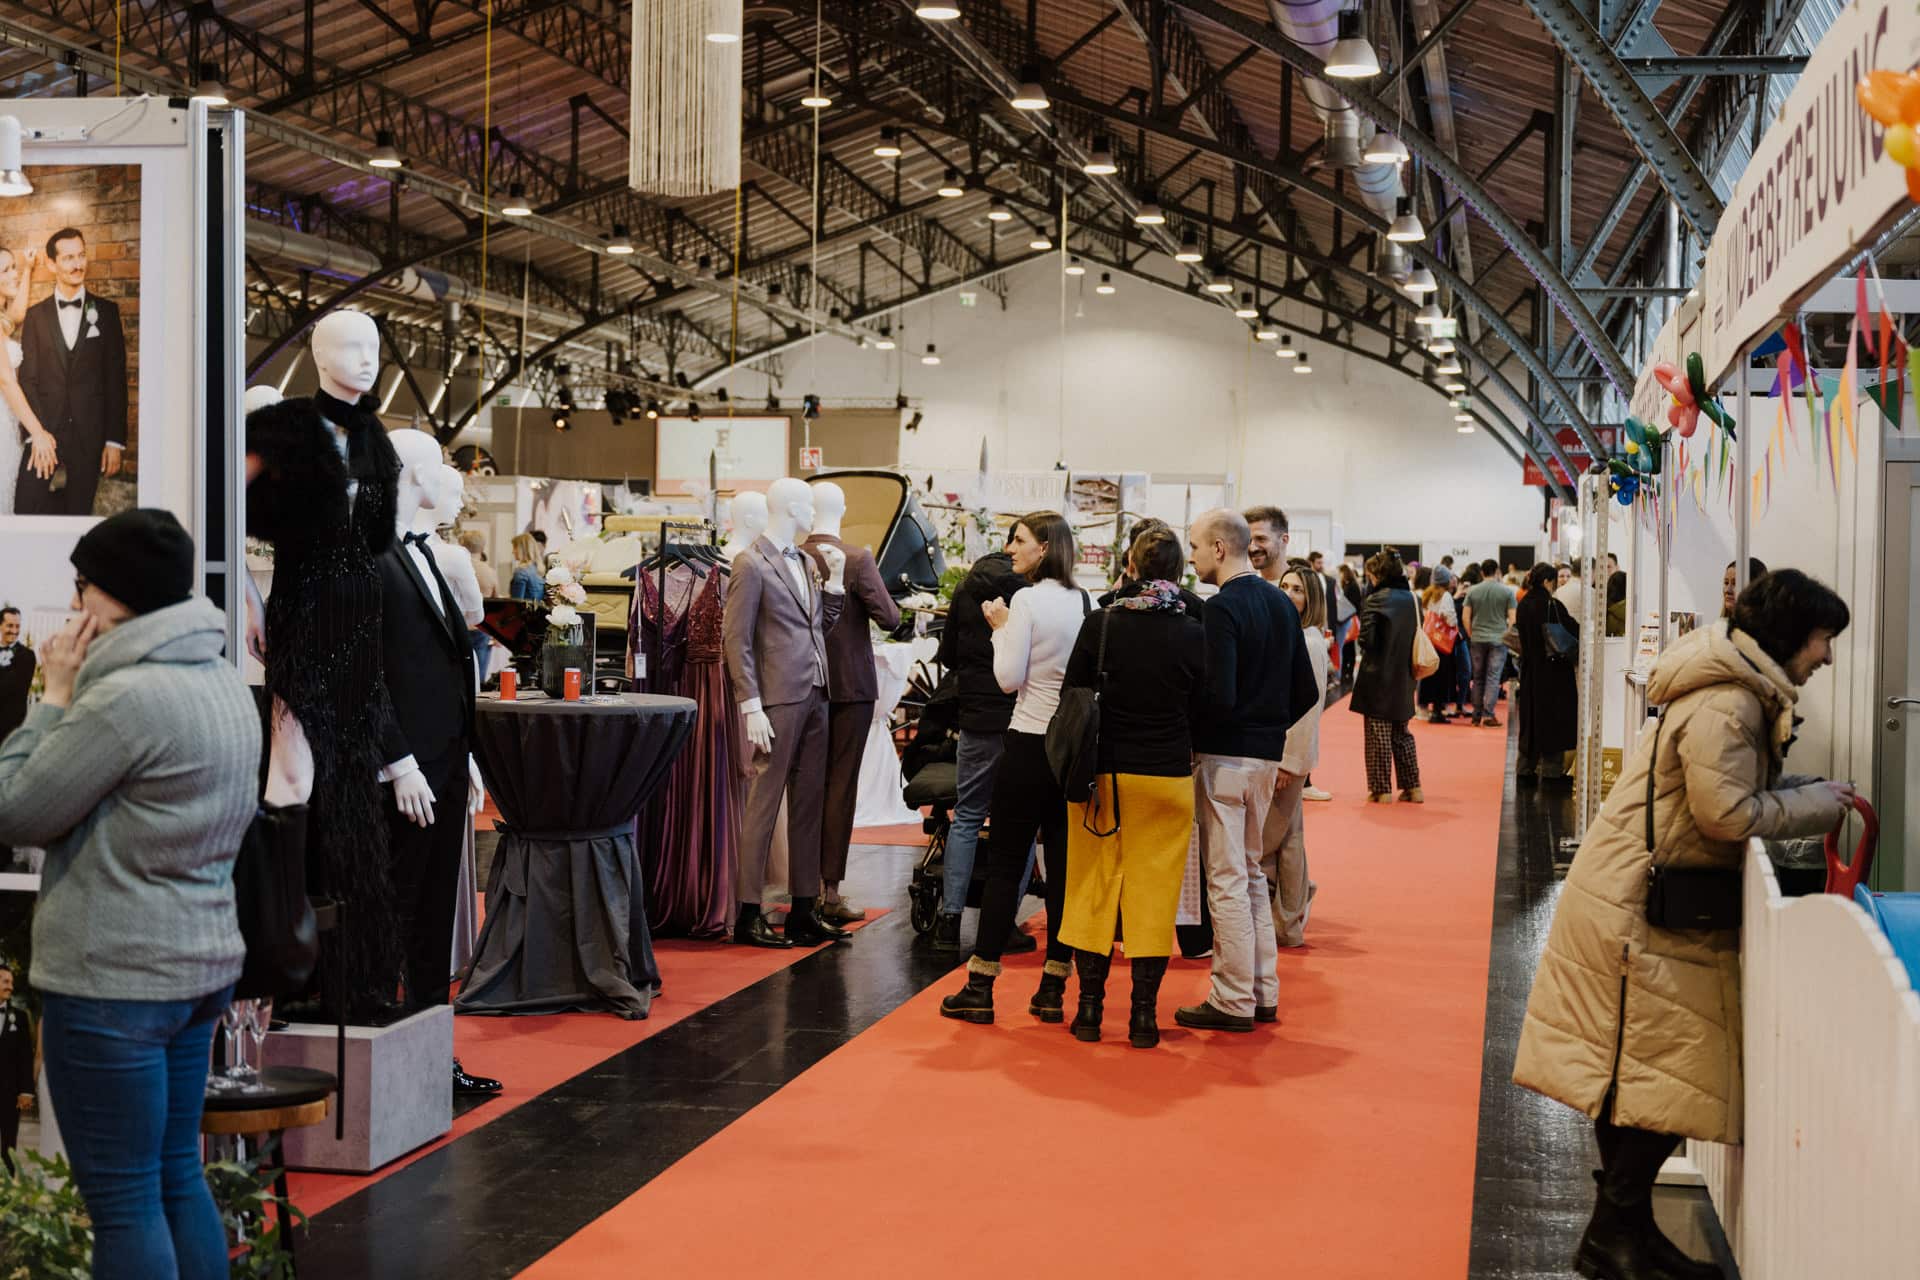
x=665 y=556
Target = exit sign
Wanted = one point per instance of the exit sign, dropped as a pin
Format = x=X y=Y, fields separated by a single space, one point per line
x=969 y=298
x=504 y=400
x=812 y=458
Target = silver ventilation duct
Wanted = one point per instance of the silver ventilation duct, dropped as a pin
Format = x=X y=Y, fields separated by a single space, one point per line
x=1315 y=25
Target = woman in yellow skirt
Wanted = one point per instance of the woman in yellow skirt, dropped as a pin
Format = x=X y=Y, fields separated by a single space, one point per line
x=1127 y=847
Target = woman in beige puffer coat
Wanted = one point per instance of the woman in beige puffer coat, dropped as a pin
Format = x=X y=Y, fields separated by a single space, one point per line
x=1637 y=1026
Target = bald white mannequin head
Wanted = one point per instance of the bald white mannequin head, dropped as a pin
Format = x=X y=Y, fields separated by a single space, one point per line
x=829 y=507
x=446 y=494
x=259 y=396
x=790 y=511
x=420 y=461
x=346 y=352
x=749 y=510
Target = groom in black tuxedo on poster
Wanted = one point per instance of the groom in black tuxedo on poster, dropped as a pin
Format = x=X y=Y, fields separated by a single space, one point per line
x=73 y=368
x=430 y=679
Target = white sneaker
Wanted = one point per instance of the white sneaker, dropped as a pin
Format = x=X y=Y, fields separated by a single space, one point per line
x=1315 y=793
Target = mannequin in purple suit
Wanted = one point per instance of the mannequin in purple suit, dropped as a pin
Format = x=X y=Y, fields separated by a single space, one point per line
x=852 y=688
x=777 y=615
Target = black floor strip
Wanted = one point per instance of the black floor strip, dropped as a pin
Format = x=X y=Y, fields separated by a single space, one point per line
x=1533 y=1188
x=491 y=1203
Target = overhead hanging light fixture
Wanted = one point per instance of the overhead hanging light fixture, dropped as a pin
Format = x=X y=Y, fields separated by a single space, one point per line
x=1041 y=241
x=816 y=100
x=1265 y=332
x=951 y=188
x=1351 y=57
x=620 y=244
x=1451 y=368
x=1189 y=250
x=207 y=87
x=1246 y=310
x=516 y=205
x=1106 y=283
x=1150 y=215
x=13 y=177
x=885 y=341
x=1029 y=96
x=1453 y=386
x=1285 y=350
x=1466 y=425
x=385 y=154
x=1392 y=262
x=1430 y=315
x=1075 y=267
x=1217 y=282
x=932 y=356
x=1441 y=347
x=1100 y=163
x=936 y=12
x=1407 y=227
x=1385 y=149
x=997 y=210
x=888 y=148
x=1301 y=365
x=1420 y=280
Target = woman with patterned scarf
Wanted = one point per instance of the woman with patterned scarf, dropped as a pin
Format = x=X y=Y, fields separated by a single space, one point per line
x=1127 y=847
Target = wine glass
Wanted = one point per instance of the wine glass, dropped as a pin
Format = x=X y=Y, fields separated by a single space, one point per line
x=232 y=1018
x=259 y=1017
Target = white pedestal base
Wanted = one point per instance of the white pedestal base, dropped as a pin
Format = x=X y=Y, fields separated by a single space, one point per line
x=399 y=1089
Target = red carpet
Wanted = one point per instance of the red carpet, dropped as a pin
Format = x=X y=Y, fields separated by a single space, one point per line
x=1338 y=1144
x=534 y=1054
x=907 y=835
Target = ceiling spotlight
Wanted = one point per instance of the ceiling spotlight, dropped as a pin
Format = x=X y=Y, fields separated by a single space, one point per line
x=1246 y=310
x=773 y=401
x=516 y=205
x=1407 y=227
x=385 y=155
x=207 y=87
x=1106 y=283
x=1420 y=280
x=1265 y=332
x=1150 y=215
x=1440 y=347
x=997 y=210
x=1430 y=315
x=888 y=147
x=885 y=341
x=1029 y=97
x=816 y=100
x=937 y=12
x=1466 y=427
x=693 y=410
x=900 y=401
x=1100 y=163
x=1453 y=386
x=1385 y=149
x=1189 y=247
x=1463 y=416
x=1040 y=241
x=1450 y=368
x=562 y=421
x=620 y=244
x=1301 y=365
x=1285 y=350
x=932 y=356
x=950 y=185
x=1217 y=282
x=1075 y=267
x=653 y=410
x=13 y=179
x=1351 y=57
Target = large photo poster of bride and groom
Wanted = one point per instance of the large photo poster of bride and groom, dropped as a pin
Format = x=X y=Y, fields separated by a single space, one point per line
x=70 y=267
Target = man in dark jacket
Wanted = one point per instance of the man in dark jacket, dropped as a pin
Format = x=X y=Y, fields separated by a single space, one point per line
x=966 y=648
x=16 y=1067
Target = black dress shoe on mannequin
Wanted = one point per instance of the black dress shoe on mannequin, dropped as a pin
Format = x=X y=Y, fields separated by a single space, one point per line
x=754 y=931
x=471 y=1085
x=805 y=928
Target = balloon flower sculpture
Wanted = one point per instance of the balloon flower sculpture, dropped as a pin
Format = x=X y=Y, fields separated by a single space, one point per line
x=1645 y=455
x=1690 y=398
x=1893 y=99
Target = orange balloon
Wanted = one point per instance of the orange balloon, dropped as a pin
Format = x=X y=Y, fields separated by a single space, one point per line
x=1913 y=184
x=1909 y=98
x=1881 y=94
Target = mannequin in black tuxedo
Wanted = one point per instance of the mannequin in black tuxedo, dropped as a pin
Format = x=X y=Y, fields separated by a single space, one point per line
x=428 y=663
x=17 y=1083
x=78 y=390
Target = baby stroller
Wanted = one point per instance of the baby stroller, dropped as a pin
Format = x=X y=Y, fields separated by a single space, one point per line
x=933 y=784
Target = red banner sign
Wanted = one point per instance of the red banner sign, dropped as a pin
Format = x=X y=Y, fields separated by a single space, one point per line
x=1576 y=452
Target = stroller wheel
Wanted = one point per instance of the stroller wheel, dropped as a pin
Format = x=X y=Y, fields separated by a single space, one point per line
x=923 y=908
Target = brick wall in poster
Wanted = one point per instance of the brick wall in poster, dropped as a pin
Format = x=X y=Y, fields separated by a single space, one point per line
x=103 y=203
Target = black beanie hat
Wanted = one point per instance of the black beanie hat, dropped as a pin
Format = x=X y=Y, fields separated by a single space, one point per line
x=142 y=558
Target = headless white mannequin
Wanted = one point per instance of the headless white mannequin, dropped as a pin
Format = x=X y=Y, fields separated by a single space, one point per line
x=420 y=463
x=749 y=522
x=829 y=508
x=346 y=354
x=259 y=396
x=790 y=517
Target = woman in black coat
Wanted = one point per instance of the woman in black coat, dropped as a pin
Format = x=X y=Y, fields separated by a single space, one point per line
x=1383 y=691
x=1548 y=702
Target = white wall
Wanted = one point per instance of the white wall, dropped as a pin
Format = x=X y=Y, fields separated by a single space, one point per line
x=1173 y=385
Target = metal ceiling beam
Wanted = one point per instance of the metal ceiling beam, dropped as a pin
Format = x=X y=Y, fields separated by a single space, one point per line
x=1549 y=276
x=1633 y=111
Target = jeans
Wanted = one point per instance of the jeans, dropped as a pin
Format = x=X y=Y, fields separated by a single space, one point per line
x=975 y=762
x=127 y=1079
x=1231 y=797
x=1026 y=804
x=1463 y=675
x=1489 y=664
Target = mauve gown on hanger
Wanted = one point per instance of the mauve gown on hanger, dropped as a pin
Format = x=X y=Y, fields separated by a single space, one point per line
x=690 y=830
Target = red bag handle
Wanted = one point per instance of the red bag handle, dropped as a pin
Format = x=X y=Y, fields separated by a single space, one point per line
x=1842 y=877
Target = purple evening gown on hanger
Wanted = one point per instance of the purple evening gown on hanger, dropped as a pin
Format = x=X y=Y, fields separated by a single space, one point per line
x=689 y=831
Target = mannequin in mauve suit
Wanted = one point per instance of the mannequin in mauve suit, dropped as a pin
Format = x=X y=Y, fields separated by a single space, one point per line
x=852 y=688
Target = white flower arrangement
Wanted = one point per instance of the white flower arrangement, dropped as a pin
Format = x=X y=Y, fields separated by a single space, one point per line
x=559 y=576
x=920 y=602
x=563 y=615
x=571 y=593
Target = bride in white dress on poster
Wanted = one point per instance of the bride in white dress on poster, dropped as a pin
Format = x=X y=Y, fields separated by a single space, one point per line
x=20 y=430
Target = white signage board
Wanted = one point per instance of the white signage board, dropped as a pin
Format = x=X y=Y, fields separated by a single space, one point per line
x=1818 y=187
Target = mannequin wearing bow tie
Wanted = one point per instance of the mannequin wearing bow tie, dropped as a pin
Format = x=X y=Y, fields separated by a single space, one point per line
x=428 y=662
x=778 y=609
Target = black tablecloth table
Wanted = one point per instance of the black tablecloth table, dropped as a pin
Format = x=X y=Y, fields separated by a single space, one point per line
x=566 y=924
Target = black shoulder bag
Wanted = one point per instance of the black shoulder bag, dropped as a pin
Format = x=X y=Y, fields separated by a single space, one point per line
x=1073 y=735
x=1563 y=641
x=1686 y=897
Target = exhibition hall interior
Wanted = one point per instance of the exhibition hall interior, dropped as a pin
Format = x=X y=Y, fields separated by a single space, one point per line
x=857 y=638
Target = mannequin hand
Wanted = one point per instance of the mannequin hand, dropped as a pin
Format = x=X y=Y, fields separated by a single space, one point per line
x=476 y=789
x=414 y=798
x=836 y=566
x=110 y=460
x=995 y=612
x=760 y=731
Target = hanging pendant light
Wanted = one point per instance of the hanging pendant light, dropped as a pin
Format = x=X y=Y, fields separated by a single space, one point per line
x=1189 y=250
x=885 y=341
x=1351 y=57
x=816 y=100
x=516 y=205
x=888 y=148
x=1106 y=283
x=1075 y=267
x=932 y=356
x=1041 y=242
x=1246 y=310
x=1453 y=386
x=1393 y=263
x=1265 y=331
x=1440 y=347
x=1466 y=424
x=997 y=210
x=385 y=154
x=1301 y=365
x=936 y=12
x=620 y=244
x=1407 y=227
x=1150 y=215
x=1285 y=350
x=951 y=188
x=1029 y=96
x=1385 y=149
x=1217 y=282
x=1430 y=315
x=1451 y=368
x=1420 y=281
x=207 y=87
x=1100 y=163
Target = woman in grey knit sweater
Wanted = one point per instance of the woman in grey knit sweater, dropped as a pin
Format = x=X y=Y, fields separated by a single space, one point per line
x=137 y=772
